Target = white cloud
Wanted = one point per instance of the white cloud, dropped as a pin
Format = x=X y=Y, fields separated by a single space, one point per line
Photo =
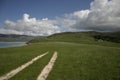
x=31 y=26
x=81 y=14
x=10 y=31
x=103 y=15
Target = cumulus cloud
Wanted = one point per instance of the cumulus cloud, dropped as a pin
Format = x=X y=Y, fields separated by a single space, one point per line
x=103 y=15
x=31 y=26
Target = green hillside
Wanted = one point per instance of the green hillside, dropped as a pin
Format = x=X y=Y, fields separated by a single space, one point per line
x=81 y=56
x=66 y=37
x=83 y=38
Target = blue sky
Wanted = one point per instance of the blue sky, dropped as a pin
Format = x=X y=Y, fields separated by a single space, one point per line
x=14 y=9
x=46 y=17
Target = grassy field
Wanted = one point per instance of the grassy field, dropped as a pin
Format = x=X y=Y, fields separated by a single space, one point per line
x=92 y=38
x=76 y=61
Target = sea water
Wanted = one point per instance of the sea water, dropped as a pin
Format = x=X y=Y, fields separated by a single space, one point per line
x=11 y=44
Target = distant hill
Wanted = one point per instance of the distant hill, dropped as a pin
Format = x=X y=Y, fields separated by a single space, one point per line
x=81 y=37
x=13 y=37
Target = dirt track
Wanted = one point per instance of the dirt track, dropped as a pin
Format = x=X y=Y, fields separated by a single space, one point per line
x=15 y=71
x=45 y=72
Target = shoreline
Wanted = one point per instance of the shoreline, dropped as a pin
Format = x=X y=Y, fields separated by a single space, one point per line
x=12 y=44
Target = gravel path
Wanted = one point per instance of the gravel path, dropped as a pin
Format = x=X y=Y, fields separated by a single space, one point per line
x=15 y=71
x=45 y=72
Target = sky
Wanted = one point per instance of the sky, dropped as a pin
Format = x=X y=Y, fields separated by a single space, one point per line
x=46 y=17
x=14 y=9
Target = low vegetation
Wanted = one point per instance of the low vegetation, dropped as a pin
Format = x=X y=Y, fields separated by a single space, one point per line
x=85 y=37
x=80 y=57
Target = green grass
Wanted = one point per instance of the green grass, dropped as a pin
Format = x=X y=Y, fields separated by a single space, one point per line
x=75 y=61
x=80 y=57
x=91 y=38
x=85 y=62
x=33 y=70
x=11 y=58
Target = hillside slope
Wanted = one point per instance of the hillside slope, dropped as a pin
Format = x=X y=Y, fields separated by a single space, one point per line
x=85 y=37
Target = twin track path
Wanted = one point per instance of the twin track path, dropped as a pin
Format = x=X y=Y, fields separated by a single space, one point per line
x=45 y=72
x=43 y=75
x=15 y=71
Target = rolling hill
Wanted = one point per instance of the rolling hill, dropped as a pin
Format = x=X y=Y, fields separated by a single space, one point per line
x=85 y=37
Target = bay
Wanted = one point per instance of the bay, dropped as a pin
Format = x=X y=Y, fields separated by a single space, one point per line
x=11 y=44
